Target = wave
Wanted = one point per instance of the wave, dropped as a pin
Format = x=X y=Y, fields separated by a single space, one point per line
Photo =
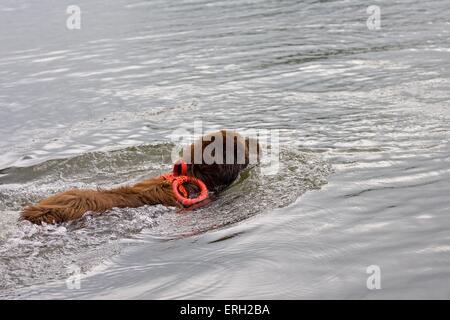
x=36 y=254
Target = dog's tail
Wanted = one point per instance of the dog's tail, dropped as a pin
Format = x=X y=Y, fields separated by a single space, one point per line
x=73 y=204
x=44 y=213
x=69 y=205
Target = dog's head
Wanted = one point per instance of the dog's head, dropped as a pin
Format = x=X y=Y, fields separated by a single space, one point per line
x=219 y=157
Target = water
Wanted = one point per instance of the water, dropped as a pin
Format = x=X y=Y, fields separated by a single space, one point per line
x=362 y=115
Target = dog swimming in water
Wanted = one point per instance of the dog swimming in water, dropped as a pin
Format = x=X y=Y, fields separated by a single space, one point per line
x=207 y=167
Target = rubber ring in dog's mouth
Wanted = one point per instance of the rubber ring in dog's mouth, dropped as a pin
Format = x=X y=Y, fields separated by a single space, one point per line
x=179 y=168
x=180 y=181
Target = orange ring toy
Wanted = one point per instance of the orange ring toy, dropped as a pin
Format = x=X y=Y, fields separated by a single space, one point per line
x=180 y=168
x=185 y=201
x=178 y=178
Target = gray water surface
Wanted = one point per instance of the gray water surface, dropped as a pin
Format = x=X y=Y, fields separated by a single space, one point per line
x=363 y=120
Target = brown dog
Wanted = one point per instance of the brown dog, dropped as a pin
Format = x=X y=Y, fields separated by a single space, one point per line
x=217 y=174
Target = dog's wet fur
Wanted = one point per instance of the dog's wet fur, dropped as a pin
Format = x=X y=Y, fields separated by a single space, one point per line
x=217 y=175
